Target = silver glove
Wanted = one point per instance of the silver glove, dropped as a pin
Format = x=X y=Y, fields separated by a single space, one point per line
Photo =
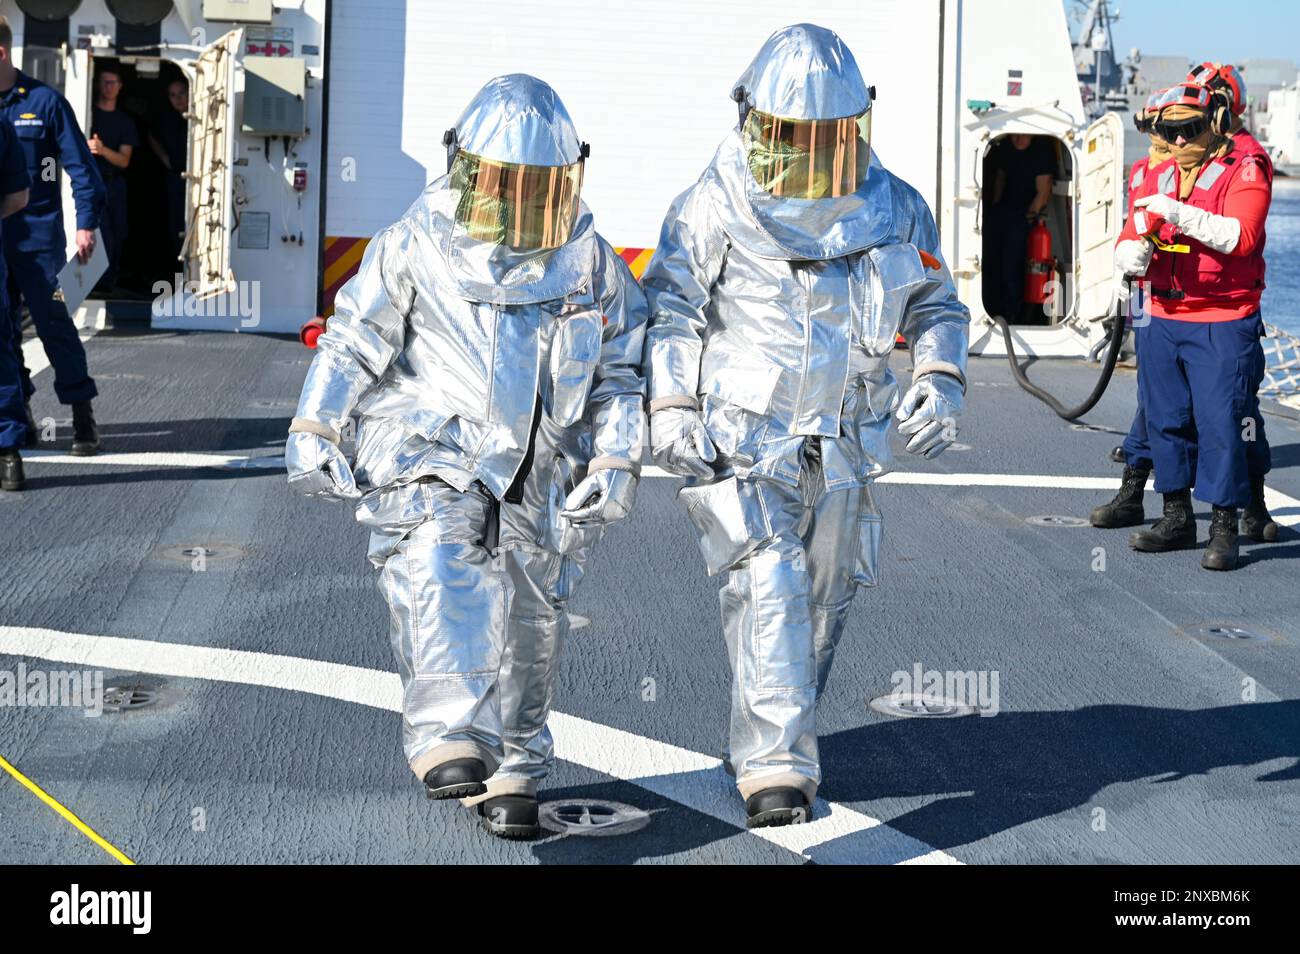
x=928 y=413
x=318 y=468
x=680 y=444
x=603 y=497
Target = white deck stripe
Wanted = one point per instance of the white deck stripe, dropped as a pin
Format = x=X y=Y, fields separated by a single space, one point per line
x=1278 y=503
x=839 y=835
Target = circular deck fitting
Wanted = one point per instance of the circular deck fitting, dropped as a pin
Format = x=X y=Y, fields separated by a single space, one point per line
x=1229 y=631
x=1096 y=429
x=578 y=621
x=260 y=462
x=920 y=705
x=130 y=698
x=210 y=552
x=1056 y=520
x=590 y=816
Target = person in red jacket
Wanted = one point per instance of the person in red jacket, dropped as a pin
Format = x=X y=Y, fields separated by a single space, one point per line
x=1197 y=237
x=1126 y=508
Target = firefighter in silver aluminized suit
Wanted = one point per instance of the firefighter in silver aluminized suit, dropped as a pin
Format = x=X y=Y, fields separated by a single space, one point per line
x=780 y=280
x=490 y=347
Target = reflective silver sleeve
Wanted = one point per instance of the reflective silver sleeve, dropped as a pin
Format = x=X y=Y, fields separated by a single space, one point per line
x=364 y=334
x=936 y=324
x=618 y=392
x=678 y=283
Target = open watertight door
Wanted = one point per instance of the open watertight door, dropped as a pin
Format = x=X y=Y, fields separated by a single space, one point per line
x=1100 y=161
x=209 y=212
x=77 y=89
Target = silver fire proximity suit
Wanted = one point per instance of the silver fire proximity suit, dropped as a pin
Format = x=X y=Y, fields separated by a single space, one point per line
x=490 y=348
x=774 y=301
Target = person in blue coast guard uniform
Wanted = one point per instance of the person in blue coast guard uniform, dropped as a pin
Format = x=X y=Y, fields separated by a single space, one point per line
x=13 y=419
x=34 y=243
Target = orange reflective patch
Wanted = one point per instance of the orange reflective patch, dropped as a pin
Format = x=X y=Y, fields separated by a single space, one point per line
x=929 y=260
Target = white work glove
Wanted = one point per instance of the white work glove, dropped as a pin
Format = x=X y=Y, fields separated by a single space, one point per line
x=603 y=497
x=928 y=413
x=1133 y=257
x=1219 y=232
x=318 y=468
x=680 y=444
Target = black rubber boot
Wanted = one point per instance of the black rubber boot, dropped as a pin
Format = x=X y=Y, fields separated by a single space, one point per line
x=11 y=470
x=1117 y=454
x=459 y=778
x=1176 y=530
x=1256 y=522
x=33 y=436
x=1222 y=552
x=85 y=435
x=511 y=816
x=776 y=806
x=1125 y=510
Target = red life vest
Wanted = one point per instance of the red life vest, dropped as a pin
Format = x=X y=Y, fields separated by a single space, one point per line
x=1202 y=277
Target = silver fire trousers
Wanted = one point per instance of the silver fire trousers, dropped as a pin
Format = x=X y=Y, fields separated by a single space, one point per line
x=477 y=637
x=794 y=558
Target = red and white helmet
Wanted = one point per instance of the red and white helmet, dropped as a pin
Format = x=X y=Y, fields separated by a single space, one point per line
x=1222 y=78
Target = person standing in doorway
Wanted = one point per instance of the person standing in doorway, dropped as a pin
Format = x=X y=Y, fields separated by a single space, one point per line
x=169 y=141
x=113 y=138
x=34 y=243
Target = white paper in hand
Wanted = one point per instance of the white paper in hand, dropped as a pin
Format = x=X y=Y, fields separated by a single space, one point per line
x=76 y=280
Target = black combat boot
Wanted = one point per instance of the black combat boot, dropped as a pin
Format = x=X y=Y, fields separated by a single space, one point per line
x=11 y=470
x=1256 y=522
x=1176 y=530
x=776 y=806
x=32 y=435
x=1126 y=509
x=511 y=816
x=1222 y=553
x=459 y=778
x=85 y=436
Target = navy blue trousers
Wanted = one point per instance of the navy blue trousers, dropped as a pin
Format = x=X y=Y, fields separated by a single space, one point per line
x=1198 y=385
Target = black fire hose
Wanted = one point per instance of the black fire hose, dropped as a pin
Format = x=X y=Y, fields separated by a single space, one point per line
x=1107 y=369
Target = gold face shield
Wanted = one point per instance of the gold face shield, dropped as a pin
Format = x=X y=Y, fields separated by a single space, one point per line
x=521 y=206
x=808 y=158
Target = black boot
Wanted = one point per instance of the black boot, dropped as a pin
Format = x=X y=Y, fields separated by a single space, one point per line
x=1222 y=553
x=1256 y=522
x=459 y=778
x=776 y=806
x=32 y=435
x=11 y=470
x=511 y=816
x=85 y=436
x=1176 y=530
x=1126 y=509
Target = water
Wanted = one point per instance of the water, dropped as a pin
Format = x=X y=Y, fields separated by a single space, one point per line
x=1281 y=304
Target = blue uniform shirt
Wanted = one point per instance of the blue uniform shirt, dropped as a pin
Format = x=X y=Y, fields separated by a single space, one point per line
x=13 y=174
x=46 y=129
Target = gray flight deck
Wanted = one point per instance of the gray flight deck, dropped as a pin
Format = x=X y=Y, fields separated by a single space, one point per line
x=1127 y=731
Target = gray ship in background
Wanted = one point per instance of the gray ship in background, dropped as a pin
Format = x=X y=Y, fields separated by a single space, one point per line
x=1110 y=85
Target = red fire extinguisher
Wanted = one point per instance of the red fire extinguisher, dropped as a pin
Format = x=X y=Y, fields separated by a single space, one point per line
x=1039 y=265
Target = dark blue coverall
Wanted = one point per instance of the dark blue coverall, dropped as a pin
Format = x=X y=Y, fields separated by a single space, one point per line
x=35 y=248
x=13 y=411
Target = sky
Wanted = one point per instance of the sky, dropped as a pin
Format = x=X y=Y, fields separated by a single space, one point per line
x=1224 y=30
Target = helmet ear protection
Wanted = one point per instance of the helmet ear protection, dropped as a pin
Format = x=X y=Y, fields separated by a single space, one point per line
x=453 y=146
x=1220 y=113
